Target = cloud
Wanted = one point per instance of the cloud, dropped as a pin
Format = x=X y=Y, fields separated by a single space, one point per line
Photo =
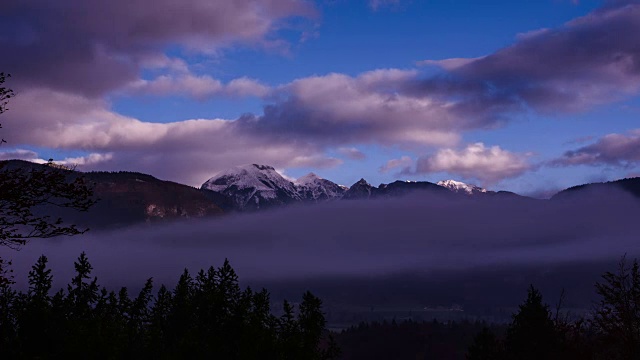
x=448 y=64
x=100 y=49
x=404 y=163
x=476 y=161
x=188 y=151
x=86 y=161
x=83 y=162
x=19 y=154
x=352 y=153
x=199 y=87
x=372 y=107
x=596 y=60
x=613 y=149
x=92 y=47
x=365 y=238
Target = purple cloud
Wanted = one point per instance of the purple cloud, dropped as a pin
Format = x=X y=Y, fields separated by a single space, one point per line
x=613 y=149
x=100 y=48
x=404 y=163
x=188 y=151
x=591 y=60
x=199 y=87
x=372 y=107
x=92 y=47
x=352 y=153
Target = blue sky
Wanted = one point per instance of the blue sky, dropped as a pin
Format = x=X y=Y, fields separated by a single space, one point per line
x=545 y=98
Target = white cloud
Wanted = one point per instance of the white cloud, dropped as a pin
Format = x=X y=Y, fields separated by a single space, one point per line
x=403 y=163
x=476 y=161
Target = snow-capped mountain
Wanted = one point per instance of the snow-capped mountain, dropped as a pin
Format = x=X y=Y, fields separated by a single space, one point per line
x=311 y=187
x=459 y=187
x=253 y=187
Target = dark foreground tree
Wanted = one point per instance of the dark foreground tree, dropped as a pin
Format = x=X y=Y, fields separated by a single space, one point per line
x=532 y=334
x=27 y=193
x=617 y=319
x=208 y=316
x=486 y=346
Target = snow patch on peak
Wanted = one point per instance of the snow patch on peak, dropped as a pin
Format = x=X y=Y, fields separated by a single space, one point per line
x=308 y=179
x=312 y=187
x=460 y=187
x=246 y=184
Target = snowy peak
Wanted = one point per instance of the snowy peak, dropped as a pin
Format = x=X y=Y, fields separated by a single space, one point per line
x=311 y=187
x=461 y=188
x=310 y=178
x=253 y=186
x=260 y=176
x=250 y=187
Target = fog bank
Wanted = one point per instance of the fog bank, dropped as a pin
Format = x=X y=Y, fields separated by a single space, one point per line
x=421 y=234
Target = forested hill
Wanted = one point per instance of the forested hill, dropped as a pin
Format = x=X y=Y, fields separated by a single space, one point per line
x=126 y=198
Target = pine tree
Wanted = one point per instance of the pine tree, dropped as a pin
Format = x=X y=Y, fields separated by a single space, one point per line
x=312 y=324
x=485 y=347
x=35 y=322
x=617 y=318
x=532 y=334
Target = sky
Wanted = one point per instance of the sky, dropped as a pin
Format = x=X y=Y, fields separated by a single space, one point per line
x=530 y=96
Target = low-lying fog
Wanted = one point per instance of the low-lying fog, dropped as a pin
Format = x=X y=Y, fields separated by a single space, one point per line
x=408 y=238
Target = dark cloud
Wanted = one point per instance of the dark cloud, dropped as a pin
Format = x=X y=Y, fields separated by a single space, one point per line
x=337 y=109
x=591 y=60
x=613 y=149
x=91 y=47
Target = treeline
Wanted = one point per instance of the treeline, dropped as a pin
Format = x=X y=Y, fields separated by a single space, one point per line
x=537 y=331
x=611 y=332
x=205 y=316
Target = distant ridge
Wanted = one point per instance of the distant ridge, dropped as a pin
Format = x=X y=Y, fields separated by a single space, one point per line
x=130 y=197
x=628 y=185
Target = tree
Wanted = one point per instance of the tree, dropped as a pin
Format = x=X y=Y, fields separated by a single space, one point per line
x=29 y=192
x=485 y=347
x=532 y=334
x=617 y=318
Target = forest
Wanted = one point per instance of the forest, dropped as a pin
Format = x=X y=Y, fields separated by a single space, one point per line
x=209 y=316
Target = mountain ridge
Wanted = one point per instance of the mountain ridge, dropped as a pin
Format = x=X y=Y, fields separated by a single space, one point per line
x=133 y=197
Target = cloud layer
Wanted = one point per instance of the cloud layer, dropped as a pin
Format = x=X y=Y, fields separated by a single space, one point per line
x=417 y=234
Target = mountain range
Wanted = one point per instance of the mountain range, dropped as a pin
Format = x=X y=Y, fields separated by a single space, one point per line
x=129 y=197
